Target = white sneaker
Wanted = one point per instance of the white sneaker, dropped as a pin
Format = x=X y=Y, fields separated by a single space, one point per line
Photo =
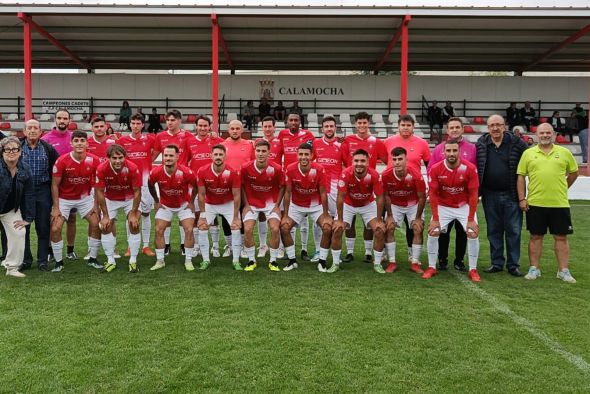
x=188 y=265
x=196 y=252
x=14 y=273
x=321 y=269
x=281 y=253
x=215 y=252
x=243 y=254
x=262 y=251
x=315 y=257
x=291 y=267
x=87 y=257
x=533 y=273
x=226 y=251
x=159 y=264
x=117 y=256
x=564 y=275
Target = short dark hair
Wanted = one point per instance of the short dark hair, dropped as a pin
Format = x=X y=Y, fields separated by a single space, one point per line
x=294 y=114
x=452 y=141
x=328 y=119
x=361 y=152
x=175 y=113
x=63 y=110
x=202 y=117
x=267 y=118
x=79 y=134
x=305 y=145
x=262 y=142
x=116 y=148
x=398 y=151
x=362 y=115
x=97 y=119
x=218 y=146
x=137 y=116
x=405 y=118
x=455 y=119
x=172 y=146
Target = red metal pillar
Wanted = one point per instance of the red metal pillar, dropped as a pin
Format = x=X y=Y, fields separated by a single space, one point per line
x=403 y=96
x=215 y=73
x=28 y=63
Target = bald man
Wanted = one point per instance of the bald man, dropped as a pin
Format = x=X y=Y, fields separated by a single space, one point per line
x=498 y=154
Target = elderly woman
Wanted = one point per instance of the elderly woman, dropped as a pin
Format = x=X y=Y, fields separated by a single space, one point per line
x=17 y=201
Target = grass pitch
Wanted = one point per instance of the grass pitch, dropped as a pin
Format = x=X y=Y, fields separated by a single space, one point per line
x=353 y=331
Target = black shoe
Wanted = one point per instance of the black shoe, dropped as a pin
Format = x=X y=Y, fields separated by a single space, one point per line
x=167 y=250
x=43 y=268
x=94 y=263
x=443 y=265
x=492 y=269
x=368 y=258
x=348 y=258
x=24 y=267
x=515 y=272
x=459 y=266
x=305 y=256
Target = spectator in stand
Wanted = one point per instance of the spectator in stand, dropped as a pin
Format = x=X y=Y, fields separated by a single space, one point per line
x=558 y=124
x=581 y=115
x=448 y=112
x=264 y=108
x=528 y=116
x=584 y=145
x=249 y=114
x=512 y=116
x=140 y=112
x=154 y=122
x=125 y=115
x=572 y=125
x=519 y=132
x=280 y=112
x=435 y=120
x=296 y=109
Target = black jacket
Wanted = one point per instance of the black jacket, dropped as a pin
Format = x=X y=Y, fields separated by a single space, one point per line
x=25 y=190
x=51 y=153
x=516 y=148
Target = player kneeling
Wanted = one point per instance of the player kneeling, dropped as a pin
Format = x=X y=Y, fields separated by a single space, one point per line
x=175 y=182
x=305 y=195
x=405 y=197
x=453 y=191
x=263 y=189
x=118 y=187
x=359 y=191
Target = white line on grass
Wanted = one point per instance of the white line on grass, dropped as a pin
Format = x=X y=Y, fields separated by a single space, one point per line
x=552 y=344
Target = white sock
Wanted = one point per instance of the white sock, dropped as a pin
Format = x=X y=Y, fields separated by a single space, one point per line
x=196 y=238
x=108 y=244
x=368 y=247
x=317 y=236
x=350 y=245
x=188 y=254
x=432 y=250
x=251 y=251
x=472 y=252
x=134 y=244
x=304 y=232
x=181 y=235
x=167 y=236
x=58 y=250
x=214 y=230
x=227 y=240
x=273 y=255
x=416 y=253
x=293 y=230
x=146 y=229
x=390 y=247
x=160 y=254
x=336 y=256
x=95 y=246
x=290 y=250
x=262 y=231
x=378 y=257
x=236 y=245
x=204 y=244
x=324 y=253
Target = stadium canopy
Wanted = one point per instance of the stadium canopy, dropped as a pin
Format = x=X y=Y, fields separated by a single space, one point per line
x=320 y=35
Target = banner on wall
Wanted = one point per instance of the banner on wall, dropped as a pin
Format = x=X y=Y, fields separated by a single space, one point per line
x=73 y=106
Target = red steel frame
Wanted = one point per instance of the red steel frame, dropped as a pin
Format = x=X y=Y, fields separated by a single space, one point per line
x=28 y=66
x=215 y=73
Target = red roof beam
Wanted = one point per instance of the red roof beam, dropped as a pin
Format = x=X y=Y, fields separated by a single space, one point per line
x=392 y=43
x=226 y=54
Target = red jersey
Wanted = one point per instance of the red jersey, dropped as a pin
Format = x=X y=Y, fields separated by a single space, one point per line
x=262 y=187
x=305 y=188
x=118 y=185
x=291 y=142
x=452 y=185
x=77 y=177
x=238 y=153
x=99 y=149
x=174 y=189
x=403 y=192
x=218 y=187
x=275 y=155
x=200 y=152
x=359 y=192
x=373 y=145
x=329 y=155
x=139 y=152
x=183 y=140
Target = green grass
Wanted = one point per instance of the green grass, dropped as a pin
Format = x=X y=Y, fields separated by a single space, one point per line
x=354 y=331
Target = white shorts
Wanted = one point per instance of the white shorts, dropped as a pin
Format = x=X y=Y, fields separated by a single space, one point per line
x=299 y=214
x=166 y=213
x=447 y=214
x=399 y=213
x=84 y=206
x=368 y=213
x=147 y=201
x=253 y=214
x=226 y=210
x=114 y=206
